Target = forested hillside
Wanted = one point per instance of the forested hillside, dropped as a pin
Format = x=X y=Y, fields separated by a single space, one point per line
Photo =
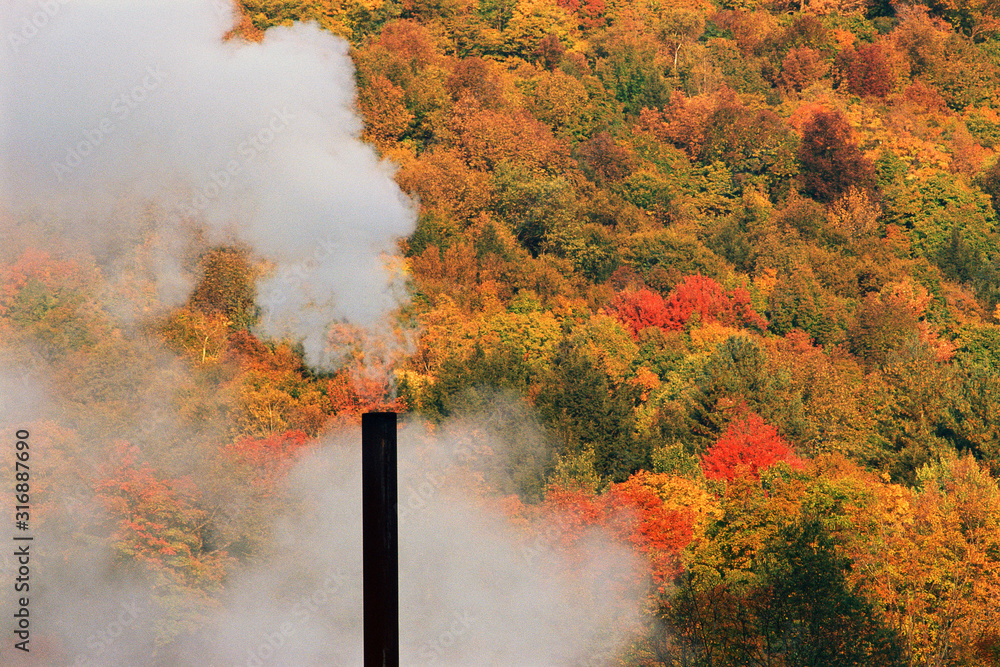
x=739 y=263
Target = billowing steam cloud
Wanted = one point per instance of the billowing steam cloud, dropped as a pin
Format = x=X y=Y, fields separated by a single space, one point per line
x=113 y=108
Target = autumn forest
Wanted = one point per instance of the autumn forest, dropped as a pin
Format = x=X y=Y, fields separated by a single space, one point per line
x=721 y=278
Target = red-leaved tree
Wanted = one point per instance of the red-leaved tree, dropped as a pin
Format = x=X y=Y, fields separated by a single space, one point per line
x=637 y=515
x=590 y=13
x=830 y=157
x=638 y=310
x=695 y=294
x=867 y=71
x=267 y=458
x=632 y=512
x=748 y=446
x=158 y=521
x=573 y=511
x=712 y=302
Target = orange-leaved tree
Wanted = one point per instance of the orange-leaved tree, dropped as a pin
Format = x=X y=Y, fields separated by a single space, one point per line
x=929 y=557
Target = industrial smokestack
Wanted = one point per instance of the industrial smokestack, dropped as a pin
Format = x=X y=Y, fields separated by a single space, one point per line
x=380 y=542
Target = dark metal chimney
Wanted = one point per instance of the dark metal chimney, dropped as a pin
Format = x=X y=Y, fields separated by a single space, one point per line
x=381 y=553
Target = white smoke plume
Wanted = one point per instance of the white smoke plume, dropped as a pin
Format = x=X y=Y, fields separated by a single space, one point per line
x=128 y=122
x=473 y=591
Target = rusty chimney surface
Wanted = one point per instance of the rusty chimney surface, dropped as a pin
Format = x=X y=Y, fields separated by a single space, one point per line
x=380 y=541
